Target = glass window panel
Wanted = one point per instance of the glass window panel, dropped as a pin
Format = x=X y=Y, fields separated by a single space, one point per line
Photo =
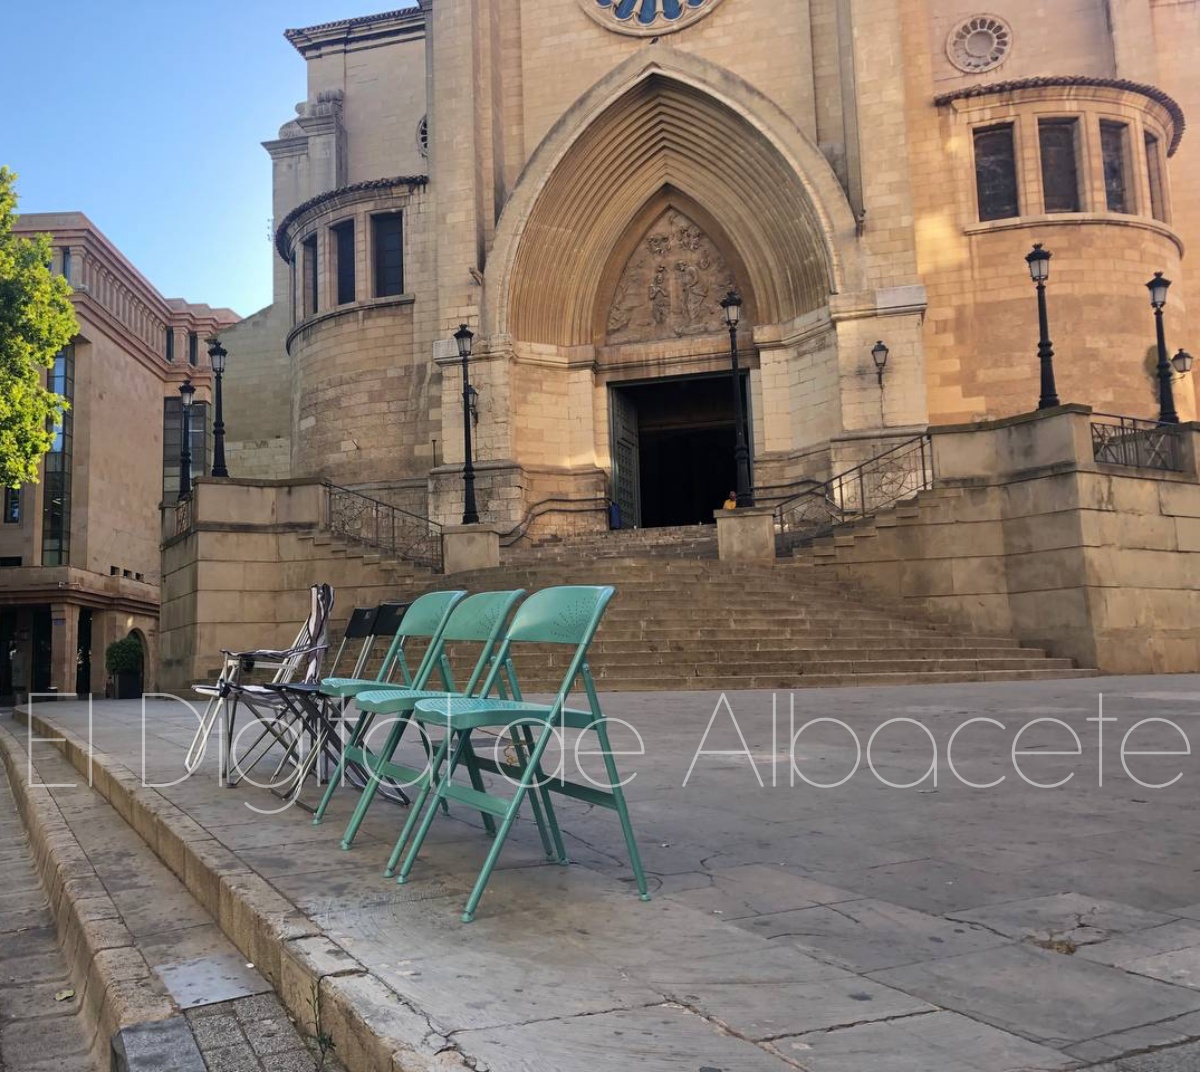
x=996 y=173
x=1060 y=169
x=1114 y=148
x=1158 y=202
x=343 y=235
x=388 y=243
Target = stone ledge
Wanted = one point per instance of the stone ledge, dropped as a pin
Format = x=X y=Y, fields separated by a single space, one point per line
x=118 y=996
x=295 y=955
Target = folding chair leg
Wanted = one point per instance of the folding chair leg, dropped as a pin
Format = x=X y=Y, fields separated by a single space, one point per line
x=472 y=765
x=522 y=755
x=340 y=770
x=543 y=791
x=431 y=782
x=510 y=816
x=199 y=746
x=390 y=744
x=614 y=778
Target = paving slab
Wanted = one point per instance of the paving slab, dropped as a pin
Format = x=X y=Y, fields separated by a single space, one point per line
x=869 y=935
x=661 y=1039
x=1066 y=917
x=1047 y=997
x=932 y=1042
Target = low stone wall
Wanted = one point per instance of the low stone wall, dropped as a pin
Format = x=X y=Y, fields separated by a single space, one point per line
x=1027 y=535
x=238 y=576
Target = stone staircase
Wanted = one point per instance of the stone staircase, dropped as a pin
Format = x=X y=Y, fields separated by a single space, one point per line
x=683 y=620
x=680 y=541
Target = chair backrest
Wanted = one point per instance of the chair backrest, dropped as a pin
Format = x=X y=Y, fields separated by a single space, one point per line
x=566 y=614
x=360 y=627
x=316 y=626
x=480 y=618
x=425 y=618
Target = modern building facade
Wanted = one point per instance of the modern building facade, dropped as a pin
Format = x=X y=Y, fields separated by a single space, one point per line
x=79 y=550
x=582 y=185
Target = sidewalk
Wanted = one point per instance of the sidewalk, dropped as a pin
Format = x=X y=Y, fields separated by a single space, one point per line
x=861 y=928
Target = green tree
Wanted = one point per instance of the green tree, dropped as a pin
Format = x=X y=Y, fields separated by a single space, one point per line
x=36 y=321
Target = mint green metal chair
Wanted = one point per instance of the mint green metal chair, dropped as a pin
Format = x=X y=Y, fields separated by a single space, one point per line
x=425 y=619
x=477 y=619
x=564 y=615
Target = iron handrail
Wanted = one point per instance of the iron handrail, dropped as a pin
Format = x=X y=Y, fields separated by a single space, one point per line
x=1136 y=442
x=398 y=532
x=892 y=476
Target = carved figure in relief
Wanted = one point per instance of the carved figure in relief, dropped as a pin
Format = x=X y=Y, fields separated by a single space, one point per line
x=619 y=314
x=693 y=293
x=658 y=244
x=660 y=299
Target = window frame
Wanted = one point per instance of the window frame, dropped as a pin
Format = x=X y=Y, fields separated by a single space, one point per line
x=310 y=276
x=1128 y=185
x=381 y=287
x=1156 y=177
x=1046 y=123
x=12 y=506
x=1011 y=126
x=345 y=274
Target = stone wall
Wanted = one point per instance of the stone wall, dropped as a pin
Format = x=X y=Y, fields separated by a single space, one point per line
x=1026 y=535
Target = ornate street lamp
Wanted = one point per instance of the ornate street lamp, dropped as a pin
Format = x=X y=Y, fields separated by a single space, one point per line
x=216 y=357
x=1039 y=271
x=879 y=354
x=732 y=304
x=1158 y=287
x=463 y=337
x=186 y=393
x=1182 y=362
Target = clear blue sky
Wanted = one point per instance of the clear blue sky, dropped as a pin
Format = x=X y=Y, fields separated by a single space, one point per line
x=148 y=117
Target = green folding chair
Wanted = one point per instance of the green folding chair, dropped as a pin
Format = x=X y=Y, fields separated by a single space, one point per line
x=425 y=618
x=477 y=619
x=565 y=615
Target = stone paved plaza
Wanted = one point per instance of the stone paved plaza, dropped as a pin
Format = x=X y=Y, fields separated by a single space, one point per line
x=855 y=928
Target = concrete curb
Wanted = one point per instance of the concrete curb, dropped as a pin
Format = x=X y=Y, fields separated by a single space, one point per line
x=120 y=997
x=323 y=986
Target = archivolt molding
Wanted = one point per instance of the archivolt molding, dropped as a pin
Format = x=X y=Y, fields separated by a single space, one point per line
x=655 y=124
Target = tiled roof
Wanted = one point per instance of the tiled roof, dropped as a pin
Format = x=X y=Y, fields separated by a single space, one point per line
x=1065 y=81
x=362 y=20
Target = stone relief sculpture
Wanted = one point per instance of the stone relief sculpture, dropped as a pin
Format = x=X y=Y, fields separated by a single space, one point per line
x=671 y=285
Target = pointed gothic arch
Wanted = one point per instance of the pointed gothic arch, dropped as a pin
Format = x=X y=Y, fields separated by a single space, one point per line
x=647 y=130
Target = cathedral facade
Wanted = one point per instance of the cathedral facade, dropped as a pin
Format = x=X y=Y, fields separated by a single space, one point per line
x=583 y=184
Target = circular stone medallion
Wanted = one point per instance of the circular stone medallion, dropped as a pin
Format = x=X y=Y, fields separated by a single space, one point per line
x=647 y=18
x=979 y=43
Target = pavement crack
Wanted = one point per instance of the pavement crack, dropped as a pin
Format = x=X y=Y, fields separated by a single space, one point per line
x=724 y=1029
x=857 y=1023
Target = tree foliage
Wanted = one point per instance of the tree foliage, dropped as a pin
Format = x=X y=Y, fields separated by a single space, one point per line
x=36 y=321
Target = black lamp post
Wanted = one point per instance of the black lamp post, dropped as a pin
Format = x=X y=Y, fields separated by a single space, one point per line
x=1158 y=287
x=216 y=357
x=732 y=304
x=463 y=337
x=186 y=393
x=1039 y=270
x=879 y=354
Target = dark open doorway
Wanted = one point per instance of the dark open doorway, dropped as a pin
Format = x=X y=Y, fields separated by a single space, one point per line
x=673 y=445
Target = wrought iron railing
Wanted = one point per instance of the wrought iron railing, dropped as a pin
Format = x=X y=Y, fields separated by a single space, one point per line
x=183 y=515
x=393 y=531
x=1135 y=443
x=888 y=478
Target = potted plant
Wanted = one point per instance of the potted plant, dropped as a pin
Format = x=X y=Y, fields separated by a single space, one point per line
x=123 y=659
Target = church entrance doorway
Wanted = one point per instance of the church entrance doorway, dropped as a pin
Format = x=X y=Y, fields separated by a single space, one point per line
x=672 y=449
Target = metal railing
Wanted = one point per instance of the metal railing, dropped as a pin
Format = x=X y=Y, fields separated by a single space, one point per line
x=888 y=478
x=1137 y=444
x=393 y=531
